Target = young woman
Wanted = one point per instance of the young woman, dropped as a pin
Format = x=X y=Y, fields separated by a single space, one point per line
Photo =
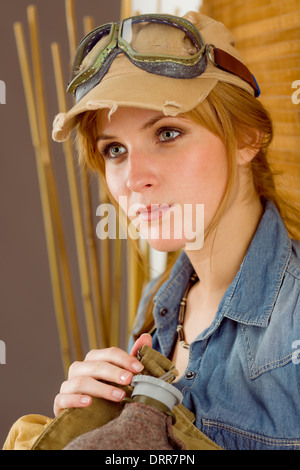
x=168 y=114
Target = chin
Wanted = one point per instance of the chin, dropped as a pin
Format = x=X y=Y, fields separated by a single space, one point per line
x=166 y=245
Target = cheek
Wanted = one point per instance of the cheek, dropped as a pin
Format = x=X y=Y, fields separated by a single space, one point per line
x=114 y=182
x=217 y=171
x=208 y=171
x=117 y=187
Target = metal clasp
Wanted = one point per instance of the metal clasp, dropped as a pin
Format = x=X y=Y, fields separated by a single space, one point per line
x=210 y=48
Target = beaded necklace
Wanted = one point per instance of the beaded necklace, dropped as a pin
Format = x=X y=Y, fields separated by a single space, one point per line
x=193 y=279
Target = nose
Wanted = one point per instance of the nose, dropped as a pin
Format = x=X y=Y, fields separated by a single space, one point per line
x=141 y=172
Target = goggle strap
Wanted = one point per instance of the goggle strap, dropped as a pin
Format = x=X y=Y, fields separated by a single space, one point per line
x=229 y=63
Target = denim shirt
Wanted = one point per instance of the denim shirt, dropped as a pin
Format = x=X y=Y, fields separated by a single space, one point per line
x=242 y=380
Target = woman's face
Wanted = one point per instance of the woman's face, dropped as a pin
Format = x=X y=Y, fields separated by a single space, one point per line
x=163 y=171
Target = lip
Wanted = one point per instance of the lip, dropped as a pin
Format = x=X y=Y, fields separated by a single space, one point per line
x=154 y=211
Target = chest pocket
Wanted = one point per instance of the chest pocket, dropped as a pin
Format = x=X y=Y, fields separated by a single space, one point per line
x=266 y=349
x=273 y=345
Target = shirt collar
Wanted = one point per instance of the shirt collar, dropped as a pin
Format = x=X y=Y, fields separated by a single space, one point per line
x=251 y=296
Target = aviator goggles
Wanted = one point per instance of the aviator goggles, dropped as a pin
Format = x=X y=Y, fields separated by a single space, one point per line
x=161 y=44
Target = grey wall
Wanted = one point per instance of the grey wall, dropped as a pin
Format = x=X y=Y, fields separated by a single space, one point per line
x=33 y=371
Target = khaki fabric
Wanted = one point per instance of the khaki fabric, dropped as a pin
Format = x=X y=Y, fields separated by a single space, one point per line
x=74 y=422
x=185 y=430
x=125 y=84
x=25 y=431
x=36 y=432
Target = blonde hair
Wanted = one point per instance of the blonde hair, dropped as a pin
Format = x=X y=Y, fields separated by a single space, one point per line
x=236 y=118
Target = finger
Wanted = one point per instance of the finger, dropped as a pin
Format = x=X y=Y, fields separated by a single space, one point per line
x=73 y=392
x=98 y=370
x=63 y=401
x=93 y=388
x=115 y=356
x=145 y=338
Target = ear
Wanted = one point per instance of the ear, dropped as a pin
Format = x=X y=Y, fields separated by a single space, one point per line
x=245 y=155
x=250 y=147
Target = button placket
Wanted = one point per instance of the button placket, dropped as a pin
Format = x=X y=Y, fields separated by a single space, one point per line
x=191 y=373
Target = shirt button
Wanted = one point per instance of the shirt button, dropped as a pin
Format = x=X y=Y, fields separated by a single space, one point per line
x=190 y=375
x=164 y=311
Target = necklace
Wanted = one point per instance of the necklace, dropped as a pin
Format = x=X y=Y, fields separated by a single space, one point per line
x=193 y=279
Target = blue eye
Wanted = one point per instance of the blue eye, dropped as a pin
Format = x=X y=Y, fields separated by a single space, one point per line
x=167 y=135
x=114 y=151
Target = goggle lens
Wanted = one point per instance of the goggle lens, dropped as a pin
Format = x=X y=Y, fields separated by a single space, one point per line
x=146 y=39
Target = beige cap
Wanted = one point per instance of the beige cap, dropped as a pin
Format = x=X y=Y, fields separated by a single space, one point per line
x=127 y=85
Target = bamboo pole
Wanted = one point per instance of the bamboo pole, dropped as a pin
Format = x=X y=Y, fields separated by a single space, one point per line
x=91 y=284
x=105 y=266
x=135 y=275
x=131 y=286
x=46 y=156
x=88 y=25
x=126 y=9
x=45 y=198
x=115 y=312
x=75 y=203
x=71 y=28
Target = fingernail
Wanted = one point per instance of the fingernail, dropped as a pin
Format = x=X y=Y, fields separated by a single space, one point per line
x=85 y=400
x=125 y=376
x=117 y=393
x=137 y=366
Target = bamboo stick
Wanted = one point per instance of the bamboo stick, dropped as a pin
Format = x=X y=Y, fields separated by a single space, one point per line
x=75 y=203
x=115 y=312
x=132 y=276
x=46 y=156
x=136 y=274
x=132 y=263
x=126 y=9
x=71 y=22
x=45 y=198
x=105 y=266
x=95 y=277
x=68 y=153
x=92 y=282
x=88 y=25
x=102 y=282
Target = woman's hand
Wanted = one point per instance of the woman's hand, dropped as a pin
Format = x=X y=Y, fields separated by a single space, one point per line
x=85 y=378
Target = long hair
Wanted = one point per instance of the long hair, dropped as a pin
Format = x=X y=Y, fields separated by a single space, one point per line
x=236 y=118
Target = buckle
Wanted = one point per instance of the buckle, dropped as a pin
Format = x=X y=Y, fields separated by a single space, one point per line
x=210 y=51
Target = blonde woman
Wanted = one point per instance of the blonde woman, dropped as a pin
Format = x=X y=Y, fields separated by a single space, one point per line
x=167 y=113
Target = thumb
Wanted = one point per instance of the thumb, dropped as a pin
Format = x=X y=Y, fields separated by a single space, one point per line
x=145 y=338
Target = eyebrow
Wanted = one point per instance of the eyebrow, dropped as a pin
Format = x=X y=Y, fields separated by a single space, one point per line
x=151 y=122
